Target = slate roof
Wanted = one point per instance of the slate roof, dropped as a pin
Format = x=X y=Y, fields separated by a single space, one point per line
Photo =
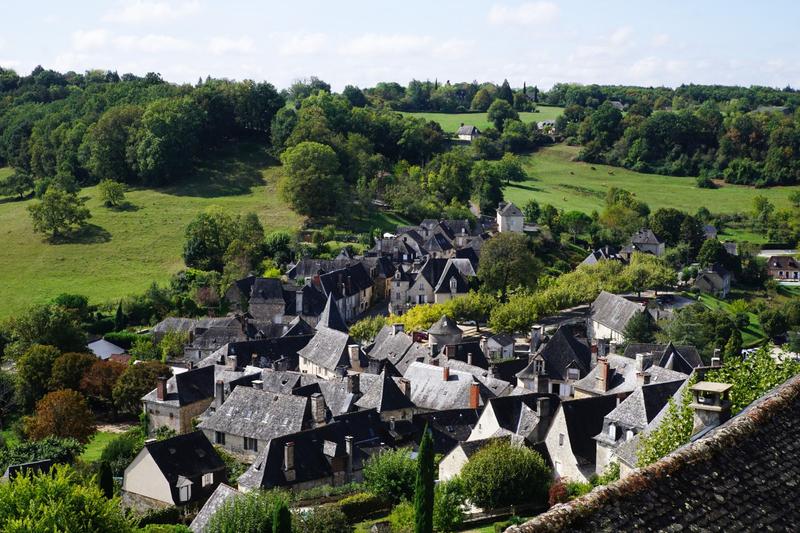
x=308 y=268
x=220 y=495
x=297 y=327
x=188 y=387
x=174 y=324
x=645 y=236
x=36 y=467
x=449 y=427
x=266 y=289
x=783 y=261
x=430 y=391
x=470 y=255
x=312 y=305
x=509 y=210
x=188 y=455
x=331 y=317
x=103 y=349
x=451 y=271
x=345 y=281
x=432 y=270
x=682 y=358
x=328 y=349
x=266 y=352
x=466 y=129
x=737 y=477
x=643 y=404
x=602 y=254
x=384 y=395
x=517 y=414
x=258 y=414
x=444 y=326
x=584 y=419
x=502 y=339
x=614 y=311
x=622 y=376
x=561 y=352
x=437 y=243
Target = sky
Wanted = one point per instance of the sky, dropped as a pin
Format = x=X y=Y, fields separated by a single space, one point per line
x=362 y=42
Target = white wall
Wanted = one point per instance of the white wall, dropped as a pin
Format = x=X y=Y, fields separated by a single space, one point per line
x=144 y=477
x=487 y=425
x=561 y=453
x=452 y=463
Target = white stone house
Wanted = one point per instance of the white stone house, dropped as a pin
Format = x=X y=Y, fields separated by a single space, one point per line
x=509 y=218
x=467 y=133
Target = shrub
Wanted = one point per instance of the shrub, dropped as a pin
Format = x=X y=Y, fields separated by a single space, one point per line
x=704 y=182
x=402 y=518
x=323 y=519
x=391 y=475
x=359 y=506
x=166 y=515
x=123 y=339
x=557 y=493
x=60 y=451
x=121 y=450
x=448 y=514
x=249 y=513
x=502 y=474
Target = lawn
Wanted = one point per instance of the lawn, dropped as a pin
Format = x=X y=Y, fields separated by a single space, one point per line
x=554 y=178
x=450 y=122
x=96 y=445
x=752 y=335
x=124 y=251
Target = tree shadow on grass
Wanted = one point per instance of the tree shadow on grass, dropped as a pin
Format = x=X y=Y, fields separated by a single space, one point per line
x=526 y=187
x=125 y=206
x=233 y=169
x=88 y=234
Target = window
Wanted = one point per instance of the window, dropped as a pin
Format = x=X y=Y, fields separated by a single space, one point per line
x=558 y=468
x=629 y=434
x=219 y=438
x=251 y=444
x=208 y=479
x=612 y=431
x=560 y=439
x=184 y=493
x=573 y=374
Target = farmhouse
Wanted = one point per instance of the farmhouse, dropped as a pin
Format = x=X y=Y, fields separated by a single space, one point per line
x=644 y=241
x=467 y=133
x=783 y=267
x=609 y=315
x=509 y=218
x=715 y=280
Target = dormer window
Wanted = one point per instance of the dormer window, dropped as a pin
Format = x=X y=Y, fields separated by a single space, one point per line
x=629 y=434
x=538 y=366
x=612 y=431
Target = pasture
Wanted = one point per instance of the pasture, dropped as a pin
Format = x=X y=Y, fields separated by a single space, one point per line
x=450 y=122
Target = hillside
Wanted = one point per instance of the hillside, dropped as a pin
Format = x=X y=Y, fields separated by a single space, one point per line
x=451 y=121
x=556 y=179
x=124 y=251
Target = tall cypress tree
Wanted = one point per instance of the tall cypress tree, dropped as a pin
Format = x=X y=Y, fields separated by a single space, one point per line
x=281 y=519
x=423 y=488
x=106 y=480
x=119 y=318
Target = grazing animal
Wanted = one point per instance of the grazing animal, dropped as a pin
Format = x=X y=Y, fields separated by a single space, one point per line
x=571 y=172
x=593 y=168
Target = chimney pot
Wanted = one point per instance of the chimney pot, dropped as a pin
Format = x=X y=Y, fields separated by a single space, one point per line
x=445 y=373
x=161 y=388
x=353 y=351
x=474 y=395
x=405 y=387
x=288 y=459
x=318 y=409
x=602 y=374
x=397 y=328
x=469 y=358
x=219 y=393
x=353 y=384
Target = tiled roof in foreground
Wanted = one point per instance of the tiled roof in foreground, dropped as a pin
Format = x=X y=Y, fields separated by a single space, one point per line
x=741 y=476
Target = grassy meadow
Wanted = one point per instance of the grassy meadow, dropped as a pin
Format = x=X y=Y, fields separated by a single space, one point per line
x=554 y=178
x=123 y=251
x=450 y=122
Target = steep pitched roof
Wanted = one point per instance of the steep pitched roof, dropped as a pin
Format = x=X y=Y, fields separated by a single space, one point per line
x=451 y=274
x=188 y=387
x=448 y=427
x=384 y=395
x=643 y=404
x=437 y=243
x=331 y=317
x=432 y=270
x=644 y=236
x=563 y=351
x=328 y=348
x=509 y=210
x=444 y=326
x=584 y=419
x=102 y=349
x=221 y=494
x=622 y=376
x=266 y=289
x=430 y=391
x=614 y=311
x=783 y=261
x=466 y=129
x=734 y=478
x=681 y=358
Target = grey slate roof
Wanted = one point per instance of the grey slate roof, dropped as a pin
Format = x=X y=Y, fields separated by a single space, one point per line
x=221 y=494
x=622 y=376
x=328 y=349
x=737 y=477
x=331 y=317
x=444 y=326
x=561 y=352
x=384 y=395
x=644 y=236
x=509 y=210
x=258 y=414
x=584 y=419
x=189 y=387
x=467 y=130
x=517 y=414
x=643 y=404
x=614 y=311
x=681 y=358
x=451 y=272
x=448 y=428
x=430 y=391
x=175 y=324
x=102 y=349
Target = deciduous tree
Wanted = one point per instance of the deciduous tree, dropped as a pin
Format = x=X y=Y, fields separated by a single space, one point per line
x=507 y=262
x=135 y=382
x=68 y=370
x=63 y=414
x=58 y=213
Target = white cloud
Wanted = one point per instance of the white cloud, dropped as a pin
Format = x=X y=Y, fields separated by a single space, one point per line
x=373 y=44
x=89 y=39
x=621 y=36
x=150 y=43
x=140 y=11
x=452 y=49
x=223 y=45
x=660 y=39
x=528 y=13
x=302 y=44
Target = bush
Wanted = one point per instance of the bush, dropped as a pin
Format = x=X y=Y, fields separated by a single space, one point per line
x=359 y=506
x=391 y=475
x=402 y=518
x=164 y=528
x=119 y=453
x=448 y=514
x=60 y=451
x=249 y=513
x=123 y=339
x=166 y=515
x=501 y=474
x=704 y=182
x=323 y=519
x=557 y=493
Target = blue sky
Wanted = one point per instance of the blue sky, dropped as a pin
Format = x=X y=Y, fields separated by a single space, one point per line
x=362 y=42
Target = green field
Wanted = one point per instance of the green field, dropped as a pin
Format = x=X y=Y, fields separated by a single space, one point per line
x=98 y=442
x=558 y=180
x=124 y=251
x=450 y=122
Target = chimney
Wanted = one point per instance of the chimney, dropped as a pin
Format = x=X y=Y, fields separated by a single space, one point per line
x=643 y=361
x=434 y=349
x=405 y=387
x=258 y=384
x=492 y=370
x=602 y=374
x=536 y=338
x=288 y=461
x=298 y=302
x=602 y=347
x=230 y=362
x=469 y=358
x=474 y=395
x=595 y=350
x=348 y=449
x=353 y=351
x=161 y=388
x=450 y=351
x=484 y=344
x=354 y=384
x=318 y=409
x=190 y=365
x=716 y=360
x=391 y=423
x=544 y=406
x=219 y=393
x=711 y=404
x=642 y=378
x=453 y=285
x=445 y=373
x=397 y=328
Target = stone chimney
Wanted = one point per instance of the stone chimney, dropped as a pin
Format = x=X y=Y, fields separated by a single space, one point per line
x=298 y=302
x=450 y=351
x=642 y=378
x=445 y=373
x=353 y=351
x=161 y=388
x=602 y=347
x=536 y=338
x=348 y=449
x=219 y=393
x=397 y=328
x=484 y=344
x=643 y=361
x=474 y=395
x=711 y=404
x=258 y=384
x=318 y=409
x=288 y=461
x=594 y=351
x=354 y=384
x=469 y=358
x=405 y=387
x=602 y=374
x=230 y=362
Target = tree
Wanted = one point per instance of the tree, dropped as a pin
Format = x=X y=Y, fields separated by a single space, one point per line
x=122 y=449
x=321 y=519
x=34 y=369
x=17 y=184
x=28 y=504
x=473 y=307
x=575 y=222
x=507 y=262
x=109 y=143
x=98 y=381
x=9 y=402
x=639 y=329
x=135 y=382
x=423 y=487
x=105 y=480
x=510 y=168
x=712 y=251
x=64 y=414
x=60 y=451
x=773 y=321
x=448 y=514
x=499 y=112
x=355 y=96
x=119 y=318
x=503 y=474
x=666 y=225
x=58 y=213
x=367 y=328
x=112 y=193
x=281 y=519
x=249 y=513
x=481 y=101
x=312 y=181
x=391 y=475
x=531 y=210
x=505 y=93
x=490 y=193
x=68 y=369
x=208 y=237
x=47 y=324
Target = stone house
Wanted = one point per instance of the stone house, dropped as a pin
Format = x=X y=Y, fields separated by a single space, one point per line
x=499 y=346
x=451 y=464
x=618 y=376
x=438 y=388
x=385 y=396
x=175 y=471
x=527 y=416
x=783 y=267
x=263 y=298
x=680 y=358
x=331 y=351
x=715 y=280
x=644 y=241
x=399 y=299
x=557 y=364
x=509 y=218
x=467 y=133
x=609 y=314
